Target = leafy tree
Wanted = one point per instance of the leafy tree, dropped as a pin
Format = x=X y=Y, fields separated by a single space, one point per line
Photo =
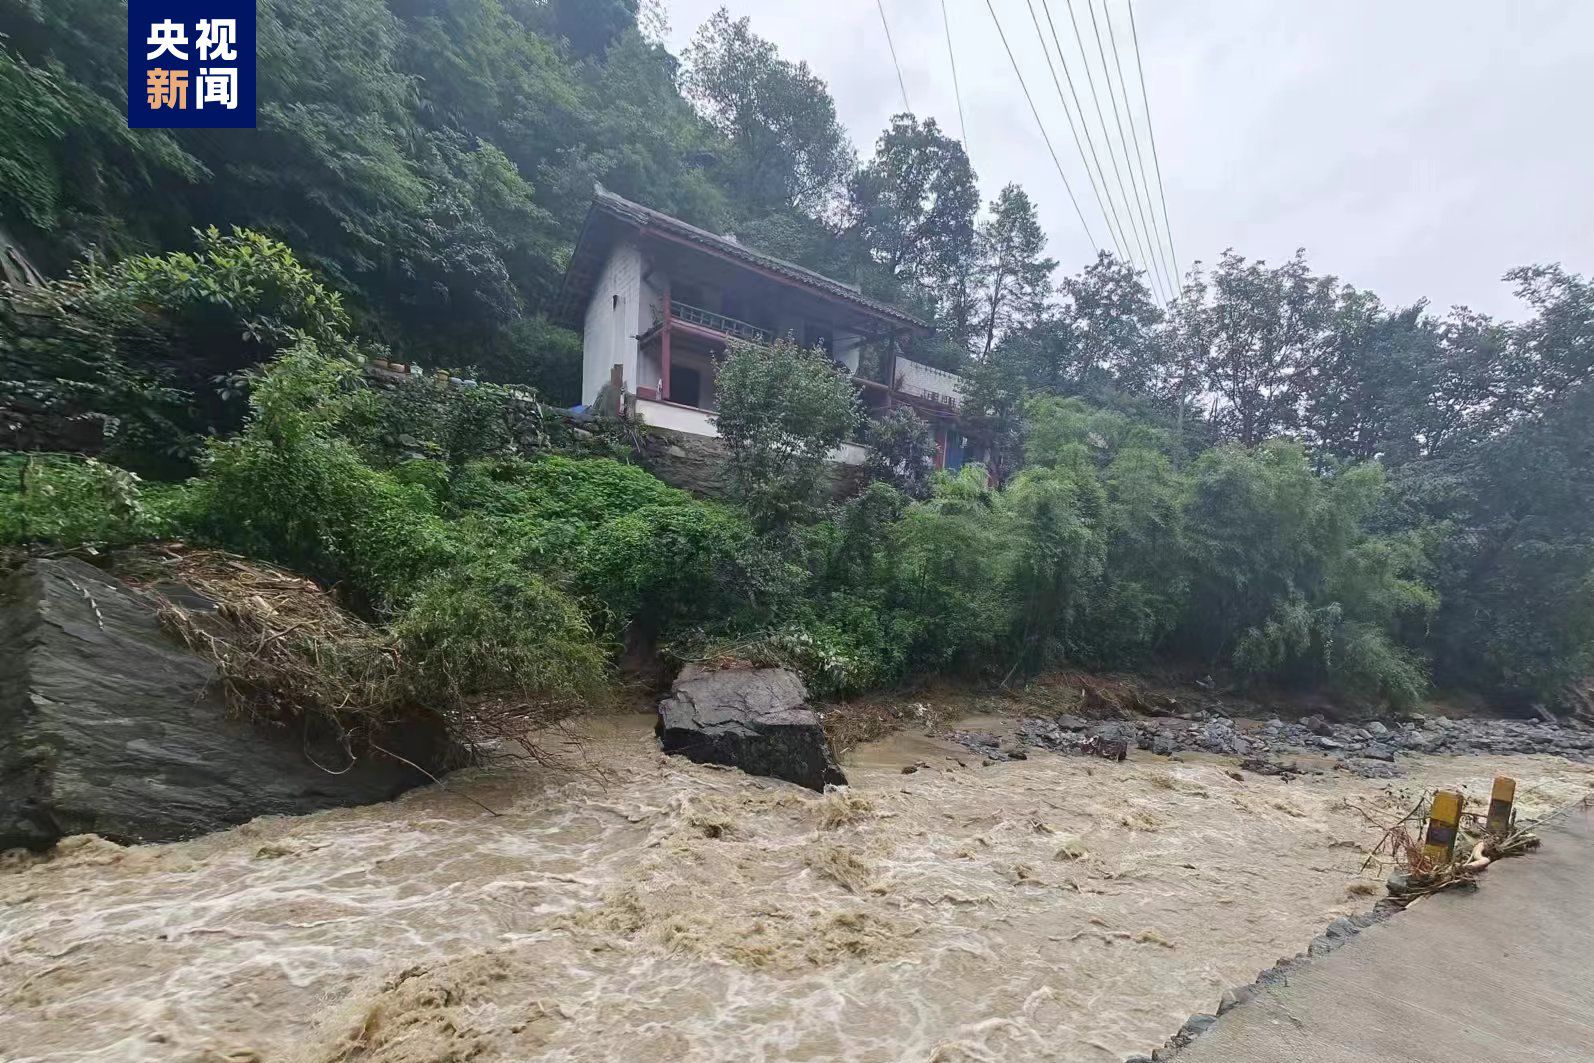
x=1363 y=391
x=912 y=208
x=992 y=411
x=1014 y=277
x=151 y=345
x=787 y=148
x=1253 y=331
x=901 y=451
x=1552 y=352
x=1058 y=559
x=1516 y=570
x=592 y=26
x=1287 y=579
x=948 y=575
x=783 y=409
x=1113 y=323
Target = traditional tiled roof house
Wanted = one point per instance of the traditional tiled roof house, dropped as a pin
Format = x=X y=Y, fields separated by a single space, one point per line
x=657 y=300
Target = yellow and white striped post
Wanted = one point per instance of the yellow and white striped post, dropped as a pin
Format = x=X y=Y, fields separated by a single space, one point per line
x=1444 y=820
x=1501 y=800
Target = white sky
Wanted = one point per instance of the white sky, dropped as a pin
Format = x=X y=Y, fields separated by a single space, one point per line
x=1414 y=147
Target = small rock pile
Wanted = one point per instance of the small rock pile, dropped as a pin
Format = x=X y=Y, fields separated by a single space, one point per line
x=1366 y=749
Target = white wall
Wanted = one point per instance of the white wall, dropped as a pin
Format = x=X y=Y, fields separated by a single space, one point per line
x=701 y=423
x=614 y=319
x=850 y=454
x=679 y=418
x=922 y=380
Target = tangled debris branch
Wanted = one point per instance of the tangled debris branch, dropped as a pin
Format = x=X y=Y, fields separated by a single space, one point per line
x=1418 y=875
x=288 y=656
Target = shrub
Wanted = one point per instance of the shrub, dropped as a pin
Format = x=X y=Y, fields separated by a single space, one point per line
x=782 y=410
x=493 y=642
x=291 y=491
x=1055 y=517
x=153 y=344
x=591 y=490
x=425 y=416
x=668 y=565
x=63 y=501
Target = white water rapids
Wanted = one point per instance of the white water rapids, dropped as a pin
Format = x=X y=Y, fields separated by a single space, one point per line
x=639 y=907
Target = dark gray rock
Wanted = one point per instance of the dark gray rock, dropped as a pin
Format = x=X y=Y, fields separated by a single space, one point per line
x=108 y=726
x=1318 y=725
x=1373 y=769
x=1115 y=731
x=755 y=719
x=1070 y=723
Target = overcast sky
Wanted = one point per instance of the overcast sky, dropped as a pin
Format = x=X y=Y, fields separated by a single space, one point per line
x=1416 y=147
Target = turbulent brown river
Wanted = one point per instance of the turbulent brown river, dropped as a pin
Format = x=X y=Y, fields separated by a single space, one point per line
x=629 y=906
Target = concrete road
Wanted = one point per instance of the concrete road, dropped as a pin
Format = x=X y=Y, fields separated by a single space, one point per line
x=1503 y=975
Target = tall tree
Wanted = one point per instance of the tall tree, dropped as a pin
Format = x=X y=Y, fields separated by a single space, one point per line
x=1554 y=350
x=1515 y=574
x=1013 y=273
x=591 y=26
x=1371 y=378
x=911 y=210
x=1114 y=323
x=787 y=147
x=1253 y=331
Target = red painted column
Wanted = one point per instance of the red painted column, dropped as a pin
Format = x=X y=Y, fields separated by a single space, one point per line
x=664 y=350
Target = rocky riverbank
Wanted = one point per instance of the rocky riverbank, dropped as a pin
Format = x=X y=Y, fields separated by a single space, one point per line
x=1274 y=747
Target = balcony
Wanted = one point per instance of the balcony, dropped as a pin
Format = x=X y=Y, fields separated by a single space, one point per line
x=707 y=319
x=933 y=385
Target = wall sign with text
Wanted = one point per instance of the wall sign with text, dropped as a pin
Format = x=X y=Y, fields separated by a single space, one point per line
x=191 y=64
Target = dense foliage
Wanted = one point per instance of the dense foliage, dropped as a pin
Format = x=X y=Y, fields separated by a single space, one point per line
x=1277 y=476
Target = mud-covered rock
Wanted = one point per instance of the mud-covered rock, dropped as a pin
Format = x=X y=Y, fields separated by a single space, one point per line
x=755 y=719
x=109 y=727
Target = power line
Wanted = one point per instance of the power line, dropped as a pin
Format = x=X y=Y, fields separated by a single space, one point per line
x=1151 y=132
x=1109 y=209
x=1134 y=135
x=903 y=85
x=1090 y=80
x=1134 y=138
x=957 y=93
x=1066 y=186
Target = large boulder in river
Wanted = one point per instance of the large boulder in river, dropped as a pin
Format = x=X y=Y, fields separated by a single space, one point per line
x=108 y=726
x=756 y=719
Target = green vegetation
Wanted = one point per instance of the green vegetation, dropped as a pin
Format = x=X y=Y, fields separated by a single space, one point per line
x=1277 y=478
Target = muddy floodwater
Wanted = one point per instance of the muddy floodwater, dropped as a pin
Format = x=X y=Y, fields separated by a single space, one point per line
x=636 y=907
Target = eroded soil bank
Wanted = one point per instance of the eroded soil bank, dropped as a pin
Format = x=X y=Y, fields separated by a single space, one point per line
x=635 y=907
